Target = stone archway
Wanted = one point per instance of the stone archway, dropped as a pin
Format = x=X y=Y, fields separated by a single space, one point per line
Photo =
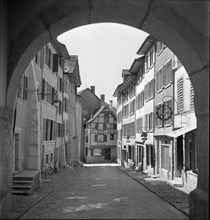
x=173 y=22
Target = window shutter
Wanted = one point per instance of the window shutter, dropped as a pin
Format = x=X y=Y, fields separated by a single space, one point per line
x=96 y=138
x=55 y=62
x=46 y=56
x=104 y=125
x=180 y=95
x=191 y=96
x=44 y=129
x=25 y=88
x=170 y=71
x=105 y=138
x=164 y=75
x=96 y=126
x=161 y=78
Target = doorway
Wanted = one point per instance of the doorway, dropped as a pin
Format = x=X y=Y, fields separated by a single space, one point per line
x=17 y=154
x=107 y=154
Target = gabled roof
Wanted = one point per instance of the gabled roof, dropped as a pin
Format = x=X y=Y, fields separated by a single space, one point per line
x=136 y=64
x=125 y=72
x=72 y=70
x=115 y=94
x=100 y=111
x=147 y=44
x=87 y=90
x=60 y=49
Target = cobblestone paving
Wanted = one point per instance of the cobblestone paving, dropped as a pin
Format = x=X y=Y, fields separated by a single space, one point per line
x=174 y=196
x=22 y=204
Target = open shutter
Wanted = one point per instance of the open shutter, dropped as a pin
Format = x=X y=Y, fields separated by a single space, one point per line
x=55 y=62
x=105 y=138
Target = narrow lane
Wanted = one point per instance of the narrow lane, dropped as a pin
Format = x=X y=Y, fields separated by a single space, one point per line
x=103 y=193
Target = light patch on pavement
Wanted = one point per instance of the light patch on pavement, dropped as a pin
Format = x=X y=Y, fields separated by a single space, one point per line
x=99 y=185
x=101 y=165
x=85 y=207
x=76 y=197
x=119 y=199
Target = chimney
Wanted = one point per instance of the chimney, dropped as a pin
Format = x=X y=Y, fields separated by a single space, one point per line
x=102 y=97
x=92 y=88
x=110 y=104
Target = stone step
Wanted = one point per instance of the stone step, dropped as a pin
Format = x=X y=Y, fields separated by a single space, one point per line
x=177 y=182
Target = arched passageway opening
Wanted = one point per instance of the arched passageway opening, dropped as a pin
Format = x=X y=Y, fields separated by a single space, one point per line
x=174 y=23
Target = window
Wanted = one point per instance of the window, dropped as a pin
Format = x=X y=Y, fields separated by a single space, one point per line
x=106 y=118
x=48 y=129
x=96 y=152
x=100 y=138
x=86 y=151
x=20 y=89
x=150 y=121
x=86 y=139
x=180 y=95
x=100 y=126
x=51 y=157
x=132 y=107
x=168 y=112
x=111 y=136
x=65 y=105
x=160 y=47
x=47 y=158
x=25 y=87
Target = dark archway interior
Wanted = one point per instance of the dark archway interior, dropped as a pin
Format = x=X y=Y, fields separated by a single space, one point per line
x=29 y=25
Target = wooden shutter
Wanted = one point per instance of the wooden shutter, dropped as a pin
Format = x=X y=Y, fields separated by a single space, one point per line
x=180 y=95
x=44 y=129
x=105 y=138
x=164 y=75
x=46 y=56
x=170 y=71
x=191 y=96
x=42 y=58
x=161 y=78
x=43 y=88
x=25 y=87
x=96 y=138
x=55 y=62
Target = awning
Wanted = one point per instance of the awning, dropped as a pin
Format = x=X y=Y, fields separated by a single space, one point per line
x=180 y=131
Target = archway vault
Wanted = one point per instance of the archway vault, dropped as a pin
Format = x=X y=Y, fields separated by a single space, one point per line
x=161 y=19
x=181 y=25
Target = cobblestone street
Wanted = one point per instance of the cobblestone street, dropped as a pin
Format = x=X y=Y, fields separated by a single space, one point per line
x=101 y=192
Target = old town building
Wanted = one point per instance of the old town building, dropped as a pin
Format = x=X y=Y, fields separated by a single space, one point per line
x=163 y=141
x=101 y=136
x=45 y=122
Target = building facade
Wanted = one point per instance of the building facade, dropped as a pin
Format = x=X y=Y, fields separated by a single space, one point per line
x=101 y=137
x=164 y=117
x=42 y=126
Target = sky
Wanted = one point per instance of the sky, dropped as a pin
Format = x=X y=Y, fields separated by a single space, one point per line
x=103 y=50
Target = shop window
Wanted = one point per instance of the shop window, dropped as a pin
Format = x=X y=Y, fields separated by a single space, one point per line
x=97 y=152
